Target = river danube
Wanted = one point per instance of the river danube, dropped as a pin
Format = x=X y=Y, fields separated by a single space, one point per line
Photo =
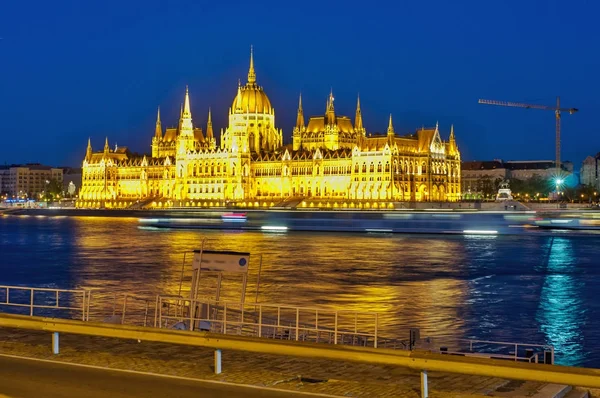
x=529 y=289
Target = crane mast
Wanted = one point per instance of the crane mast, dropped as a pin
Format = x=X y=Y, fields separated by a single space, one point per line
x=557 y=111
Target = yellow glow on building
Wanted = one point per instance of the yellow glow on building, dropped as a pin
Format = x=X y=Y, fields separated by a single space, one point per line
x=331 y=163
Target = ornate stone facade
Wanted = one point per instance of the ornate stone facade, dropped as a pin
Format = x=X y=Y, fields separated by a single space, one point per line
x=330 y=159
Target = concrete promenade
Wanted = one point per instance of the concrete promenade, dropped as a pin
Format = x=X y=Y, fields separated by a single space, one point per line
x=303 y=375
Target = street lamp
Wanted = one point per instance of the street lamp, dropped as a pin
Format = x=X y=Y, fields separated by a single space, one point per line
x=559 y=182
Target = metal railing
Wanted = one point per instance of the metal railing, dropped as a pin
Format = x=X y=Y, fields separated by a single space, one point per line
x=519 y=352
x=276 y=321
x=26 y=300
x=418 y=360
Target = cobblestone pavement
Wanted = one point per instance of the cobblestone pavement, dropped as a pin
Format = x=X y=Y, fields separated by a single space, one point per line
x=309 y=375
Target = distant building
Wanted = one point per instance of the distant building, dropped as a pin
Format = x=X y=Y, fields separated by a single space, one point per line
x=71 y=180
x=28 y=180
x=589 y=171
x=473 y=173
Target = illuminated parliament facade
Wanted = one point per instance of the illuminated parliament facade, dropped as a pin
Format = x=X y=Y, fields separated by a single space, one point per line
x=331 y=162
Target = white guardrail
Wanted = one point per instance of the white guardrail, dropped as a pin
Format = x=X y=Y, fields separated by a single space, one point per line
x=76 y=301
x=265 y=320
x=277 y=321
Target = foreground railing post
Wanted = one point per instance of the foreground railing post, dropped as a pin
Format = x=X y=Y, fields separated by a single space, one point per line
x=335 y=329
x=31 y=304
x=55 y=343
x=376 y=327
x=424 y=386
x=260 y=321
x=217 y=362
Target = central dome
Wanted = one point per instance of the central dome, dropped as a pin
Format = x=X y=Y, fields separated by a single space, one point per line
x=252 y=99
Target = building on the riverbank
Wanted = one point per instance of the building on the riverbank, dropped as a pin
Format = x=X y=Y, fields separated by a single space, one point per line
x=27 y=180
x=478 y=177
x=71 y=181
x=589 y=171
x=331 y=160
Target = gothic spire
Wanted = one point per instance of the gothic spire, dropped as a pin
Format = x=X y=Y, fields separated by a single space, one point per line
x=186 y=107
x=158 y=129
x=209 y=127
x=251 y=73
x=238 y=102
x=106 y=147
x=453 y=146
x=88 y=152
x=186 y=115
x=330 y=109
x=390 y=129
x=358 y=123
x=300 y=118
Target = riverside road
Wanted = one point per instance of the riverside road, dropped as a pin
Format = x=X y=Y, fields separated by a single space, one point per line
x=25 y=378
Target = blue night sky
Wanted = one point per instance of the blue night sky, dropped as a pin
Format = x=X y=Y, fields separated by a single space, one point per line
x=70 y=70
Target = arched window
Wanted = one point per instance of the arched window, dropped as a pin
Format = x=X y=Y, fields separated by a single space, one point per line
x=387 y=167
x=379 y=167
x=371 y=168
x=423 y=168
x=364 y=167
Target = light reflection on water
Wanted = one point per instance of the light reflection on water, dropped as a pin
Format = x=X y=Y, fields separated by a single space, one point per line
x=561 y=313
x=526 y=288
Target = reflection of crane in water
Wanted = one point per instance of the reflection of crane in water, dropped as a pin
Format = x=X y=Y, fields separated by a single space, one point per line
x=557 y=111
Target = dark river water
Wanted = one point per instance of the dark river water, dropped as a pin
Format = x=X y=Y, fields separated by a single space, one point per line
x=528 y=289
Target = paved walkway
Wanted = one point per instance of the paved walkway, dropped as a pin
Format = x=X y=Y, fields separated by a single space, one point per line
x=309 y=375
x=26 y=378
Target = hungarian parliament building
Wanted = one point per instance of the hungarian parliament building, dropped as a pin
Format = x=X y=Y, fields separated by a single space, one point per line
x=331 y=161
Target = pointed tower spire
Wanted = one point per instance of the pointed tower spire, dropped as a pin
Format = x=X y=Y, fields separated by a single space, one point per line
x=300 y=118
x=106 y=147
x=453 y=146
x=209 y=127
x=186 y=106
x=251 y=73
x=390 y=129
x=358 y=123
x=158 y=129
x=186 y=115
x=238 y=102
x=88 y=151
x=330 y=109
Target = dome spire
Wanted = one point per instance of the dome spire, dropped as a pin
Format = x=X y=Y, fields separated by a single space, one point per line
x=251 y=73
x=106 y=147
x=390 y=129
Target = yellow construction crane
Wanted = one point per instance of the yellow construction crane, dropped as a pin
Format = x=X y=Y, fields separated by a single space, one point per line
x=557 y=111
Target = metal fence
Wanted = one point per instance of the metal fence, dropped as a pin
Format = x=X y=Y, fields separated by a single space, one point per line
x=518 y=352
x=276 y=321
x=64 y=303
x=267 y=320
